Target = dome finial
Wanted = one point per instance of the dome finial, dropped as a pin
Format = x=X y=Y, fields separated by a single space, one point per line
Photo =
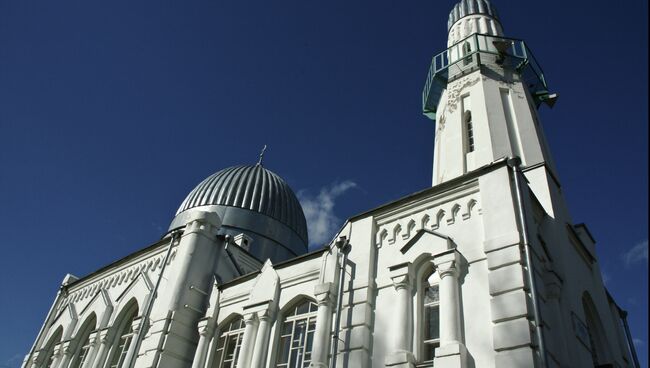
x=259 y=162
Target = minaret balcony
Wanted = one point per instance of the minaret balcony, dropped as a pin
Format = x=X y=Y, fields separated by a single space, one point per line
x=482 y=51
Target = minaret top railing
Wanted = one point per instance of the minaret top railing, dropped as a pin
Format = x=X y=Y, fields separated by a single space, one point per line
x=469 y=55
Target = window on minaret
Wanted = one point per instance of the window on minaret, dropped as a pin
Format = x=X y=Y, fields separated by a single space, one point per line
x=467 y=49
x=469 y=130
x=297 y=336
x=229 y=344
x=430 y=319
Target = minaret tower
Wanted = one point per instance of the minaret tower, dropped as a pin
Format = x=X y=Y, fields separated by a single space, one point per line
x=483 y=92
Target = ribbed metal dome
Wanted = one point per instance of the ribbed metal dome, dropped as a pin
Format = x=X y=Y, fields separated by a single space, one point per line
x=252 y=188
x=468 y=7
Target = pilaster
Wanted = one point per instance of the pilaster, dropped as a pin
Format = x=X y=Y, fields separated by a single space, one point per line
x=138 y=325
x=104 y=342
x=248 y=341
x=322 y=336
x=93 y=341
x=67 y=351
x=206 y=332
x=57 y=355
x=452 y=352
x=402 y=328
x=555 y=331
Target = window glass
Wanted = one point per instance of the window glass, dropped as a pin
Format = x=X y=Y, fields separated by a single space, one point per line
x=81 y=353
x=229 y=344
x=430 y=322
x=49 y=351
x=297 y=336
x=123 y=344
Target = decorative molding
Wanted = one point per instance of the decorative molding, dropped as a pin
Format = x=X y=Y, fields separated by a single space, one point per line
x=301 y=278
x=455 y=209
x=396 y=230
x=456 y=88
x=447 y=263
x=431 y=218
x=115 y=279
x=409 y=229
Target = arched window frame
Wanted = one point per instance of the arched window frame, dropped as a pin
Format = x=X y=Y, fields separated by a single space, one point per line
x=290 y=319
x=425 y=277
x=123 y=335
x=83 y=342
x=48 y=350
x=231 y=330
x=597 y=338
x=469 y=130
x=467 y=50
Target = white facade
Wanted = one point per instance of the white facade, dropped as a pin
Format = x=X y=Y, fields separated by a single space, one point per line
x=447 y=268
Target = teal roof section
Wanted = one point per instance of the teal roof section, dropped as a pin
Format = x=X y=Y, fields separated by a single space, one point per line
x=471 y=54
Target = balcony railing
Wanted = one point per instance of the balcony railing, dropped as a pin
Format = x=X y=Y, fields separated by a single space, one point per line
x=472 y=52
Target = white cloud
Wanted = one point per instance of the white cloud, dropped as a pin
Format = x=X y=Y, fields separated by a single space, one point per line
x=638 y=254
x=322 y=223
x=637 y=342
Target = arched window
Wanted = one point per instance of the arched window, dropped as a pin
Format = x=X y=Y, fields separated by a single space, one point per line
x=467 y=49
x=297 y=336
x=430 y=325
x=123 y=337
x=48 y=351
x=83 y=345
x=229 y=343
x=597 y=339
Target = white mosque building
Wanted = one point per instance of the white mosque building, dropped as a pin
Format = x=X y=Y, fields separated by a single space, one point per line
x=484 y=269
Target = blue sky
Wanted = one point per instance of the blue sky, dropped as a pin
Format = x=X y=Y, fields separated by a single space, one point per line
x=111 y=112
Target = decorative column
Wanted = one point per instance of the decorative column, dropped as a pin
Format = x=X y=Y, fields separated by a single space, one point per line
x=262 y=339
x=246 y=349
x=206 y=332
x=36 y=359
x=322 y=334
x=452 y=351
x=56 y=355
x=100 y=357
x=66 y=355
x=93 y=338
x=402 y=329
x=132 y=354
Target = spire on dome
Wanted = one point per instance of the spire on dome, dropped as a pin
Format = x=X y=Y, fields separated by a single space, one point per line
x=259 y=161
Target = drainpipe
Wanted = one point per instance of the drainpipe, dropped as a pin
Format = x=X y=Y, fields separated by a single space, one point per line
x=630 y=341
x=149 y=307
x=515 y=164
x=343 y=245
